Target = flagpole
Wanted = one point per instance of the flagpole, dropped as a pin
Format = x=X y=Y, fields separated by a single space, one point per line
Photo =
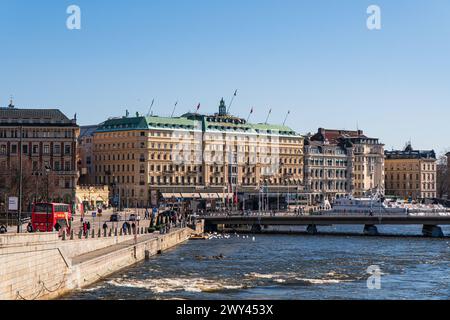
x=267 y=119
x=174 y=109
x=149 y=110
x=248 y=118
x=231 y=102
x=289 y=112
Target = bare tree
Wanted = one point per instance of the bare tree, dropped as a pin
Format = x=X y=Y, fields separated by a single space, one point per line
x=34 y=184
x=442 y=176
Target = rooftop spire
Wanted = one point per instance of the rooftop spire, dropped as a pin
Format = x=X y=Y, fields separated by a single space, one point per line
x=222 y=108
x=11 y=104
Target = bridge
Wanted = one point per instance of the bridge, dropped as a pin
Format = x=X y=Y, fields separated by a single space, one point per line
x=430 y=223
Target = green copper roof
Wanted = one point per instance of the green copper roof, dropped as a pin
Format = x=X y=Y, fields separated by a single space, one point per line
x=221 y=124
x=123 y=124
x=271 y=127
x=170 y=122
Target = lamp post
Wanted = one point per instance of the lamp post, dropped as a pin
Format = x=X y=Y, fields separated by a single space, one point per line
x=47 y=172
x=19 y=215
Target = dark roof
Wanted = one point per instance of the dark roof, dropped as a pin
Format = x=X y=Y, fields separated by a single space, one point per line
x=334 y=136
x=410 y=153
x=87 y=131
x=16 y=116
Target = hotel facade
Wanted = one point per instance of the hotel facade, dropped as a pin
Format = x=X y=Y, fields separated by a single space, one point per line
x=217 y=157
x=411 y=173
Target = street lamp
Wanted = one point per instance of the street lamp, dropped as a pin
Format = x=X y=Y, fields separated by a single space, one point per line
x=47 y=172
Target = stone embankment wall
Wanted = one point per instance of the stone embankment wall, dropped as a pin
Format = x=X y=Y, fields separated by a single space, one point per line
x=42 y=266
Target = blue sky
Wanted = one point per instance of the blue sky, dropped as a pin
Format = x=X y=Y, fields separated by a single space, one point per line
x=313 y=57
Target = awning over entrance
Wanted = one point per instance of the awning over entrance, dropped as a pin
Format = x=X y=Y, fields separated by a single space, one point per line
x=210 y=196
x=170 y=195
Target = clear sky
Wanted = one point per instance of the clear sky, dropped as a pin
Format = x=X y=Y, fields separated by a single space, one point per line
x=314 y=57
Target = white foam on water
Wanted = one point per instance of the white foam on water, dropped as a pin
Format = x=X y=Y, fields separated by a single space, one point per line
x=164 y=285
x=261 y=276
x=321 y=281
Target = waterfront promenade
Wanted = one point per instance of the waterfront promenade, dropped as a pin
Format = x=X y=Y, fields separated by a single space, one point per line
x=44 y=266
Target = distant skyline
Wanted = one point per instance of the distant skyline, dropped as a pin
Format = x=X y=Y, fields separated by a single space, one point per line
x=314 y=58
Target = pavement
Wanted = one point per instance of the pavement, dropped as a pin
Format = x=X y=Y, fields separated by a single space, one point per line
x=104 y=251
x=98 y=221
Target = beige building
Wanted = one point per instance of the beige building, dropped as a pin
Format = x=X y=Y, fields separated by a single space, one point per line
x=44 y=140
x=343 y=162
x=91 y=197
x=411 y=173
x=327 y=171
x=85 y=162
x=195 y=156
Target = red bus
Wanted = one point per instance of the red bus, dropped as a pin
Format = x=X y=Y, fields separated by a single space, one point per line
x=49 y=217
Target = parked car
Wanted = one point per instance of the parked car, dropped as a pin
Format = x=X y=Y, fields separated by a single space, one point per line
x=115 y=217
x=3 y=229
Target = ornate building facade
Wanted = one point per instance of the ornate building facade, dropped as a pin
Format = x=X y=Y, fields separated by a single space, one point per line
x=44 y=141
x=341 y=162
x=326 y=171
x=195 y=156
x=411 y=173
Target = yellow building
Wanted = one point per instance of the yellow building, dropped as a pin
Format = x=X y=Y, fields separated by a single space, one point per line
x=91 y=197
x=411 y=173
x=195 y=156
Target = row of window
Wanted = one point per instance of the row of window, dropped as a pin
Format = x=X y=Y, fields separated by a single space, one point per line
x=36 y=133
x=425 y=176
x=410 y=186
x=425 y=167
x=35 y=149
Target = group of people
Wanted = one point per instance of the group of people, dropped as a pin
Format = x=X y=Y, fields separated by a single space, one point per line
x=86 y=226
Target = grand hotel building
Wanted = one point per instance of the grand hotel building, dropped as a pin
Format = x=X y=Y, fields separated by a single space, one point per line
x=195 y=156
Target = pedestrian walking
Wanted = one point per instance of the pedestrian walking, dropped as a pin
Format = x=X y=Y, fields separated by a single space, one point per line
x=84 y=228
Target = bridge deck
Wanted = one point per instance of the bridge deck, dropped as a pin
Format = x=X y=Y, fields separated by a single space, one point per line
x=328 y=220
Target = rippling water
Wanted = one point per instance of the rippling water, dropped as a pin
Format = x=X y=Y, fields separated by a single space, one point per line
x=289 y=267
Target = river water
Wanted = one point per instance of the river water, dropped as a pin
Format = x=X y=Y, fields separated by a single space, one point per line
x=290 y=267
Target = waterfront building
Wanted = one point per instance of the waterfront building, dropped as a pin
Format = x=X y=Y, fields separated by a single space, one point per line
x=326 y=172
x=354 y=163
x=216 y=158
x=44 y=141
x=411 y=173
x=85 y=163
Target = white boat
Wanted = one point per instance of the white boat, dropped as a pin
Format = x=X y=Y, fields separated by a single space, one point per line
x=377 y=205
